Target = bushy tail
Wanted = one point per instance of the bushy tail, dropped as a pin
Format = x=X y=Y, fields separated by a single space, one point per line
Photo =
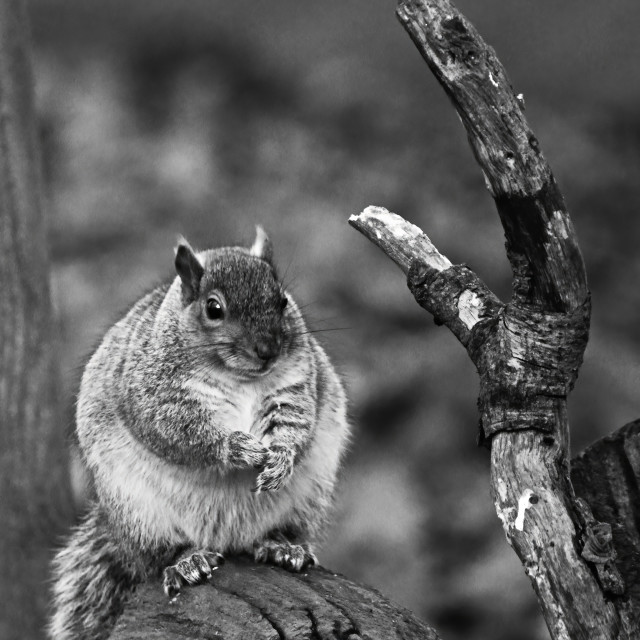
x=92 y=580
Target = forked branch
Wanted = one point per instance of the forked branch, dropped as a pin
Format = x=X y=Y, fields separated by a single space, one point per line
x=527 y=351
x=541 y=242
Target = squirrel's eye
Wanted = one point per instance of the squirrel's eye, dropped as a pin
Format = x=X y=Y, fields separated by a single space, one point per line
x=283 y=303
x=214 y=309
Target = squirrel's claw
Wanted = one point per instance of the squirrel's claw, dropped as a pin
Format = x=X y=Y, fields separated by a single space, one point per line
x=171 y=582
x=293 y=557
x=277 y=469
x=191 y=570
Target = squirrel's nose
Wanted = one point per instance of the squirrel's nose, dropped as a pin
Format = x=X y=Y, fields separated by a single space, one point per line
x=268 y=349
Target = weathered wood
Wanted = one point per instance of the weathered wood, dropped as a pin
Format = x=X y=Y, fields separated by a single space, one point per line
x=528 y=351
x=458 y=298
x=541 y=242
x=33 y=483
x=402 y=241
x=245 y=600
x=527 y=361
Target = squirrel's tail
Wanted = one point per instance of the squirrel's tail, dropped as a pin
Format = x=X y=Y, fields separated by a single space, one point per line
x=92 y=580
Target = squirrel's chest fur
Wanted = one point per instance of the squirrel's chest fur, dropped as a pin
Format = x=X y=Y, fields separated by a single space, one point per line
x=156 y=501
x=173 y=504
x=166 y=503
x=237 y=408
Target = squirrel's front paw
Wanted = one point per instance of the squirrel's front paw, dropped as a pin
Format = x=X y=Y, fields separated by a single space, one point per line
x=277 y=469
x=293 y=557
x=193 y=569
x=245 y=450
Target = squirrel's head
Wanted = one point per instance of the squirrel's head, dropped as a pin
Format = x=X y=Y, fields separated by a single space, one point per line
x=234 y=307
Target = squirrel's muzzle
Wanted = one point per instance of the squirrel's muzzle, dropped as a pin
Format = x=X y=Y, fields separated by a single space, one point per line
x=268 y=348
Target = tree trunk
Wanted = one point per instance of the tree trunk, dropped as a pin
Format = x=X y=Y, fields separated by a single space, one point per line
x=33 y=483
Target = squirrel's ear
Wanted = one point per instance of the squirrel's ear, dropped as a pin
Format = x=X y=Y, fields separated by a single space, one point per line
x=262 y=247
x=190 y=270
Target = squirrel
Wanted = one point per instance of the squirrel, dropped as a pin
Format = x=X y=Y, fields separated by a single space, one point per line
x=211 y=422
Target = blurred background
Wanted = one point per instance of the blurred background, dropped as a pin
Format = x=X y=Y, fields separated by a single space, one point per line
x=207 y=117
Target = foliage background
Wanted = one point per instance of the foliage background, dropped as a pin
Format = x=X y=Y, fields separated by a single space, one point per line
x=206 y=117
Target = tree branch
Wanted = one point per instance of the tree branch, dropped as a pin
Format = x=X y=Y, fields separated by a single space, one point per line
x=245 y=600
x=402 y=241
x=541 y=242
x=454 y=295
x=527 y=352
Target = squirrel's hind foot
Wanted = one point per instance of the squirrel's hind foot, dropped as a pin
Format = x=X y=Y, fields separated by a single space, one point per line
x=190 y=570
x=293 y=557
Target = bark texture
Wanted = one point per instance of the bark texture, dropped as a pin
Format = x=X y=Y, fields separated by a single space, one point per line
x=607 y=477
x=33 y=485
x=527 y=351
x=245 y=600
x=541 y=243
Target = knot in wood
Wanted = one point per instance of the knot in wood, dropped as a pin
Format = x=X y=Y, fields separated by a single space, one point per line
x=463 y=46
x=444 y=292
x=598 y=544
x=528 y=364
x=598 y=548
